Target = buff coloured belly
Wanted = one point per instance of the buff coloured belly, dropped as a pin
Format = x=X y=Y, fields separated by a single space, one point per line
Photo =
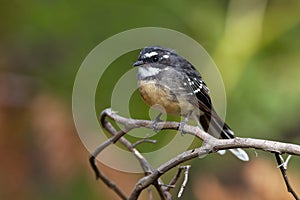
x=154 y=95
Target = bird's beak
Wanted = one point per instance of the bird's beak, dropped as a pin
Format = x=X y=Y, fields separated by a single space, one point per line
x=138 y=63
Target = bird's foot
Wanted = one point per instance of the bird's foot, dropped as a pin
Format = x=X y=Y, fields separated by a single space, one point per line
x=182 y=124
x=155 y=123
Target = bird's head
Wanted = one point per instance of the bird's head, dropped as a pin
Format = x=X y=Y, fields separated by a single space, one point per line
x=158 y=57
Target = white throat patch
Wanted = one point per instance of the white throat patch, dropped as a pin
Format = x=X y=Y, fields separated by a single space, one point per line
x=144 y=72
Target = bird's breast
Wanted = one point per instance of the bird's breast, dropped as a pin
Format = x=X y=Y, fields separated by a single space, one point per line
x=154 y=93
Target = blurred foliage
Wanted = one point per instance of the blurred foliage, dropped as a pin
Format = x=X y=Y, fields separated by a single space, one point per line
x=255 y=44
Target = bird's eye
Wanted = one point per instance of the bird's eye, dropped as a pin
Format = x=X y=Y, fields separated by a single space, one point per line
x=154 y=58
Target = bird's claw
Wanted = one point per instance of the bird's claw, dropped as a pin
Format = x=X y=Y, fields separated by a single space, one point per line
x=181 y=127
x=155 y=123
x=183 y=123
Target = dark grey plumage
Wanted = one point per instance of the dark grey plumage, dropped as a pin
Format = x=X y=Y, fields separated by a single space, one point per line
x=186 y=86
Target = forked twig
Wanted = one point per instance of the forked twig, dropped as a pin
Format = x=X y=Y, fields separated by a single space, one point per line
x=285 y=177
x=185 y=180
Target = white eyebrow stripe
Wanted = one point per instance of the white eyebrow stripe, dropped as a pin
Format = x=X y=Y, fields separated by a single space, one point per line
x=149 y=55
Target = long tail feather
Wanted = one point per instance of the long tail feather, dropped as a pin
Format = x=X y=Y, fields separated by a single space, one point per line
x=220 y=129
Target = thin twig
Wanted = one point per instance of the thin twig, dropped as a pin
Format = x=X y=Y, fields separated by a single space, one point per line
x=284 y=163
x=185 y=180
x=143 y=140
x=163 y=194
x=100 y=148
x=111 y=185
x=285 y=177
x=175 y=178
x=150 y=193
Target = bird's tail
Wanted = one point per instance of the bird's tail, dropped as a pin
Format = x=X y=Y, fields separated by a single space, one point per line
x=215 y=126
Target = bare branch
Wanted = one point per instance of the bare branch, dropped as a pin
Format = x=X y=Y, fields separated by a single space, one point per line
x=211 y=144
x=108 y=182
x=218 y=144
x=117 y=136
x=101 y=148
x=146 y=181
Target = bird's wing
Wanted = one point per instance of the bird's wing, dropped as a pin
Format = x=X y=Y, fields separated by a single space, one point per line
x=198 y=92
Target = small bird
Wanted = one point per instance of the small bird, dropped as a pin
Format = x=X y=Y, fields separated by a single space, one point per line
x=169 y=80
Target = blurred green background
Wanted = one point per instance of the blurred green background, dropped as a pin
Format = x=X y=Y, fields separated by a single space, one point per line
x=255 y=45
